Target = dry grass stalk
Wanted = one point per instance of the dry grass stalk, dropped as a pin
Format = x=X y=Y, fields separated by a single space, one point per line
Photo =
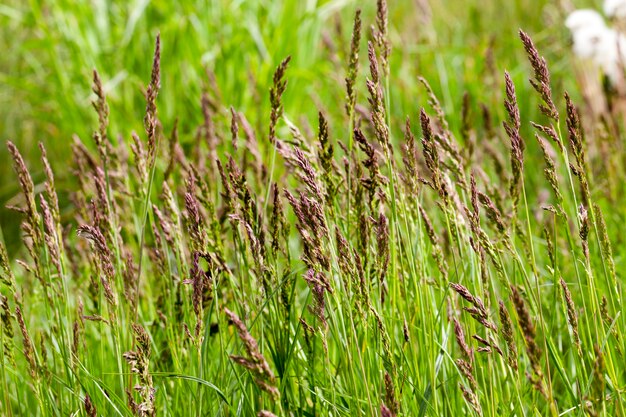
x=607 y=318
x=308 y=175
x=29 y=350
x=353 y=65
x=550 y=133
x=50 y=236
x=472 y=399
x=90 y=409
x=492 y=212
x=382 y=252
x=6 y=273
x=319 y=284
x=467 y=132
x=478 y=311
x=583 y=232
x=436 y=106
x=376 y=180
x=598 y=385
x=279 y=227
x=176 y=155
x=385 y=411
x=409 y=159
x=390 y=395
x=572 y=316
x=7 y=329
x=32 y=224
x=194 y=219
x=51 y=193
x=506 y=331
x=141 y=161
x=97 y=240
x=487 y=345
x=431 y=156
x=102 y=109
x=576 y=140
x=607 y=248
x=326 y=161
x=381 y=34
x=313 y=231
x=234 y=128
x=479 y=241
x=530 y=338
x=541 y=82
x=459 y=334
x=139 y=361
x=345 y=260
x=78 y=331
x=388 y=357
x=442 y=265
x=466 y=368
x=377 y=104
x=255 y=362
x=150 y=119
x=276 y=93
x=512 y=128
x=362 y=284
x=550 y=173
x=202 y=290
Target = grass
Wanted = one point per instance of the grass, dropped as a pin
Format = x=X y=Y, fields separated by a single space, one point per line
x=263 y=246
x=52 y=48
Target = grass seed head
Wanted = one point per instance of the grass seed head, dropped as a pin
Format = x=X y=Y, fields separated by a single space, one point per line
x=7 y=329
x=29 y=350
x=605 y=242
x=50 y=235
x=276 y=93
x=51 y=193
x=382 y=247
x=390 y=395
x=385 y=411
x=528 y=331
x=6 y=273
x=381 y=34
x=459 y=334
x=512 y=128
x=506 y=331
x=96 y=238
x=255 y=362
x=90 y=408
x=33 y=219
x=541 y=81
x=139 y=361
x=353 y=64
x=472 y=399
x=572 y=316
x=150 y=119
x=550 y=173
x=102 y=109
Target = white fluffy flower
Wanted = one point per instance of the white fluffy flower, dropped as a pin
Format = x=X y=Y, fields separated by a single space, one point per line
x=605 y=47
x=583 y=19
x=594 y=41
x=615 y=8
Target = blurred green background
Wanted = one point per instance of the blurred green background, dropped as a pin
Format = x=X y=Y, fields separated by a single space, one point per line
x=51 y=47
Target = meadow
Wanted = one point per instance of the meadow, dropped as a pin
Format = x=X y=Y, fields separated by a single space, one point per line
x=259 y=208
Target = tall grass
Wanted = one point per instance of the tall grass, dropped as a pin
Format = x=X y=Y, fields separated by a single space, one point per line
x=365 y=266
x=52 y=48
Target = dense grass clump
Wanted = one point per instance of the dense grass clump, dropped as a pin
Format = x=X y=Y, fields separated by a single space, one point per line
x=282 y=270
